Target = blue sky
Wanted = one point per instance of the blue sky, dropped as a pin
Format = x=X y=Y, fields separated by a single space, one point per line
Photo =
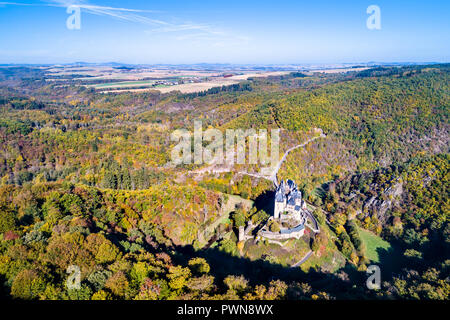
x=231 y=31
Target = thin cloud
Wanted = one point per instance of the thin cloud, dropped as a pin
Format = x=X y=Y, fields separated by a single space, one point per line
x=117 y=13
x=15 y=4
x=202 y=31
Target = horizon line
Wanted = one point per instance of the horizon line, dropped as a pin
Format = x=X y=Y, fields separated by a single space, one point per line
x=220 y=63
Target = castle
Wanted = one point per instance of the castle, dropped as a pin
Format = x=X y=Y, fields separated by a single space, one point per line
x=291 y=215
x=288 y=201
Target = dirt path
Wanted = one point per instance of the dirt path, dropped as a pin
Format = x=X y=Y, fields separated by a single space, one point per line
x=273 y=176
x=306 y=257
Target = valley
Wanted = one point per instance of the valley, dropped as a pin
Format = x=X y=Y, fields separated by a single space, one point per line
x=86 y=179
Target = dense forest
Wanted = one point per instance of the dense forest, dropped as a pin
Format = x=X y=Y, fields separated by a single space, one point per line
x=85 y=181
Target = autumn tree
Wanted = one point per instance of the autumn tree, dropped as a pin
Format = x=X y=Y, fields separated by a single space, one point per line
x=27 y=285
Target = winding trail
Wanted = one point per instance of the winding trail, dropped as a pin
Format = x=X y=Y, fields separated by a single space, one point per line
x=303 y=260
x=273 y=176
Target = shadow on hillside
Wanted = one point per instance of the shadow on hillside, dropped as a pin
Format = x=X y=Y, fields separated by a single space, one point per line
x=391 y=262
x=346 y=283
x=4 y=292
x=321 y=191
x=265 y=201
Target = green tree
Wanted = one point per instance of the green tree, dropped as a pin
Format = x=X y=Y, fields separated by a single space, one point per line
x=236 y=283
x=238 y=218
x=7 y=220
x=107 y=252
x=274 y=226
x=27 y=285
x=178 y=277
x=199 y=265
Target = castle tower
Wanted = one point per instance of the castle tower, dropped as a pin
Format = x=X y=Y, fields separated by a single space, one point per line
x=280 y=201
x=241 y=233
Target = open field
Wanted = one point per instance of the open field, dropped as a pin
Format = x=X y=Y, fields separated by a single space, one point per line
x=218 y=82
x=191 y=87
x=129 y=74
x=137 y=79
x=339 y=70
x=183 y=88
x=259 y=74
x=141 y=78
x=196 y=87
x=373 y=243
x=123 y=84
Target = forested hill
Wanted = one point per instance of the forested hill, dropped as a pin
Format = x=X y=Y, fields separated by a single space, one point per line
x=384 y=119
x=372 y=119
x=85 y=180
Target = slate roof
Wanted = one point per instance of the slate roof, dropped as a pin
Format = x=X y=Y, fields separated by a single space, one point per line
x=291 y=184
x=280 y=194
x=290 y=198
x=291 y=201
x=279 y=197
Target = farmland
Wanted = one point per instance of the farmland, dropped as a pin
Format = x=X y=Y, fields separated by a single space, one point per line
x=165 y=80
